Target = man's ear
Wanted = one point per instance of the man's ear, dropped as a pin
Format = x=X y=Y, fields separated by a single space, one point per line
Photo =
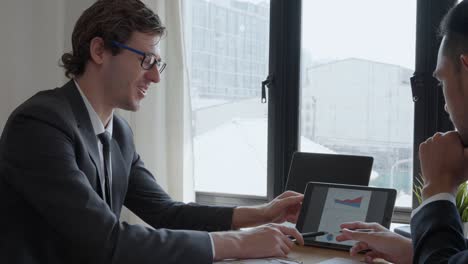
x=464 y=61
x=96 y=50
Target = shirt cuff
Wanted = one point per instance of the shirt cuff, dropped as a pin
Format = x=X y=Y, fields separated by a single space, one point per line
x=437 y=197
x=212 y=246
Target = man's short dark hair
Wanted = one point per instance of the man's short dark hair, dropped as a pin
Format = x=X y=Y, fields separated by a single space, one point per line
x=112 y=20
x=454 y=27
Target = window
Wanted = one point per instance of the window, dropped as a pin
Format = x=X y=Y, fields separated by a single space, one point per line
x=227 y=47
x=339 y=77
x=428 y=107
x=357 y=59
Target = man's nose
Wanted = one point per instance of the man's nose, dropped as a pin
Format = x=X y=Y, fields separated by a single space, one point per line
x=153 y=74
x=446 y=108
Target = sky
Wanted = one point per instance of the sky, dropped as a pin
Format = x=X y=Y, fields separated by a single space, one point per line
x=378 y=30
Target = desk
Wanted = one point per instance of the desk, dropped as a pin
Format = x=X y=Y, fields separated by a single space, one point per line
x=308 y=254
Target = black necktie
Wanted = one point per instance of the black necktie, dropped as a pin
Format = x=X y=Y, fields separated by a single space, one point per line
x=106 y=151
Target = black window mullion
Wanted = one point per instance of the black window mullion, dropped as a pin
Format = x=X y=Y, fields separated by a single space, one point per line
x=429 y=113
x=283 y=99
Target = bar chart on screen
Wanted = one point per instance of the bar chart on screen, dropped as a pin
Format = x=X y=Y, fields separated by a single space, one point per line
x=342 y=205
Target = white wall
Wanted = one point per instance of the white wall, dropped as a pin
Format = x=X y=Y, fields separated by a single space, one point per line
x=34 y=36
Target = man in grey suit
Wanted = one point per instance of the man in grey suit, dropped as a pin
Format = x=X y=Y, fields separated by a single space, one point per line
x=68 y=164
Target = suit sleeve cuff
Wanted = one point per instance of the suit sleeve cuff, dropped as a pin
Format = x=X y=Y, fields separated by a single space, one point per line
x=437 y=197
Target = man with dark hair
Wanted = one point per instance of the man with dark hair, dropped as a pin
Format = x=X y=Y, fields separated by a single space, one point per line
x=436 y=228
x=68 y=164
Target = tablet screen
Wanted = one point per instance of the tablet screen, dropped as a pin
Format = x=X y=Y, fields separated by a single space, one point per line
x=326 y=206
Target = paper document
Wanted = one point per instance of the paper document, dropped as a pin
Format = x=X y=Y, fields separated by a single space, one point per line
x=261 y=261
x=340 y=261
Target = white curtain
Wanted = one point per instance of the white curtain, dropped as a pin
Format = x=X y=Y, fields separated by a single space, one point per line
x=162 y=127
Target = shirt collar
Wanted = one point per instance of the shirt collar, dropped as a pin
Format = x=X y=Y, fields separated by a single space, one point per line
x=98 y=126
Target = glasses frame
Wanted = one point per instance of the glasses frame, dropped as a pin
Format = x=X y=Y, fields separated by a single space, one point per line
x=161 y=65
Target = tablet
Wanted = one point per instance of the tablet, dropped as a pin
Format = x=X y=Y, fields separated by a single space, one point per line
x=327 y=205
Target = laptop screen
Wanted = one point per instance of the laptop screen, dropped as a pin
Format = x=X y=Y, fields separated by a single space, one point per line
x=331 y=168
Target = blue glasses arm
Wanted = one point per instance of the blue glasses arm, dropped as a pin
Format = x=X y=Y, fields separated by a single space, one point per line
x=120 y=45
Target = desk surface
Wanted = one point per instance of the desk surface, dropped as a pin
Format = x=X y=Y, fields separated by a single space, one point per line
x=309 y=254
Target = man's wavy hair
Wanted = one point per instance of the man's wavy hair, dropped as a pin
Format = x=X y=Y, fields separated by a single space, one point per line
x=112 y=20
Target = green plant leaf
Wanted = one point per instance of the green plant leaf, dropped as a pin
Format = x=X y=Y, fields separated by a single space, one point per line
x=464 y=216
x=462 y=196
x=417 y=189
x=417 y=192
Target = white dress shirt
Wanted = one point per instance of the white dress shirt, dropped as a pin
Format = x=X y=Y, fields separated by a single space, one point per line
x=98 y=128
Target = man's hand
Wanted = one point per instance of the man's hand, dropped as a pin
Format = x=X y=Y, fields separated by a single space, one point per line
x=285 y=207
x=381 y=242
x=270 y=240
x=444 y=163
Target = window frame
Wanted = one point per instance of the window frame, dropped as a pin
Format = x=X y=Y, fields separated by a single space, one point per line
x=429 y=113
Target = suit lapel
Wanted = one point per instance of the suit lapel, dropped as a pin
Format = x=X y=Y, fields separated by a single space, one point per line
x=85 y=127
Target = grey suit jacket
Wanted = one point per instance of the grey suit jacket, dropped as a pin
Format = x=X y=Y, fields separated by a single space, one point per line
x=51 y=210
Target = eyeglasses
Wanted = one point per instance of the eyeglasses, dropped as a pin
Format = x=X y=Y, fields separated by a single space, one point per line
x=148 y=61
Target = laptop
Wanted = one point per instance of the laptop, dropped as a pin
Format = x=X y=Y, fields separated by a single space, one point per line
x=329 y=168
